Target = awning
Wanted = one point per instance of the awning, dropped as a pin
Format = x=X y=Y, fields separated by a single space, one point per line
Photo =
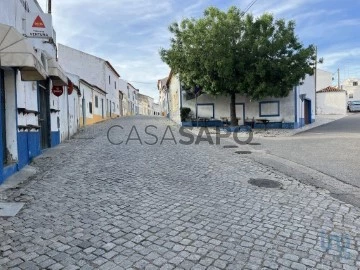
x=56 y=73
x=17 y=51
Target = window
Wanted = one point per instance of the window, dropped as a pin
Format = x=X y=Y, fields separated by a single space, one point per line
x=90 y=107
x=113 y=106
x=351 y=95
x=269 y=108
x=205 y=110
x=96 y=102
x=355 y=83
x=109 y=80
x=115 y=85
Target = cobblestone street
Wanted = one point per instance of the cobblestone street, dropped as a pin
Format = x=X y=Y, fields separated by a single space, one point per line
x=95 y=205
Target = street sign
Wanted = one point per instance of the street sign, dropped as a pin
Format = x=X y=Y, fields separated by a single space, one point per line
x=70 y=87
x=57 y=90
x=39 y=25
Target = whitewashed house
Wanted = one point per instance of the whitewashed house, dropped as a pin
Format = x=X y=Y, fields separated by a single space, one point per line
x=163 y=96
x=157 y=109
x=293 y=111
x=98 y=72
x=146 y=105
x=132 y=95
x=29 y=72
x=352 y=87
x=331 y=101
x=123 y=86
x=69 y=106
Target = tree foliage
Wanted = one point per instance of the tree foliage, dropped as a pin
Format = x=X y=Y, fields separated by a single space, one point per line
x=229 y=53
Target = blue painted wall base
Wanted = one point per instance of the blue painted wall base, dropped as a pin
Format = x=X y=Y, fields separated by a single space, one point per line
x=28 y=147
x=55 y=138
x=218 y=123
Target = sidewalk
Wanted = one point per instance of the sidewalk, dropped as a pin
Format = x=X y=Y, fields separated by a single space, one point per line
x=261 y=133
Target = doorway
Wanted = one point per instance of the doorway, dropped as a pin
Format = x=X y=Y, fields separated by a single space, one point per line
x=3 y=117
x=44 y=114
x=102 y=108
x=307 y=111
x=240 y=113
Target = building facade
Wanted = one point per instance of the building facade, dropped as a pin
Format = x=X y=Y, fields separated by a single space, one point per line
x=157 y=111
x=163 y=96
x=146 y=105
x=293 y=111
x=99 y=73
x=352 y=87
x=133 y=104
x=29 y=71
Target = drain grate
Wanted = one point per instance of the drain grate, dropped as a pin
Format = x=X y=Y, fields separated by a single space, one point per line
x=265 y=183
x=243 y=152
x=230 y=146
x=10 y=209
x=255 y=143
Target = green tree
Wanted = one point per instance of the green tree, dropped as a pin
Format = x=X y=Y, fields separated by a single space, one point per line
x=230 y=53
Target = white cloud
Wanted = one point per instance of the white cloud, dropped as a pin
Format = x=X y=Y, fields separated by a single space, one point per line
x=130 y=33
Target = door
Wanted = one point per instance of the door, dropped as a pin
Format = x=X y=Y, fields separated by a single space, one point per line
x=307 y=111
x=83 y=108
x=102 y=108
x=110 y=108
x=44 y=114
x=240 y=113
x=3 y=118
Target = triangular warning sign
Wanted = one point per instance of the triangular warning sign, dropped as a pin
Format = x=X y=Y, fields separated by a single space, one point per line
x=38 y=23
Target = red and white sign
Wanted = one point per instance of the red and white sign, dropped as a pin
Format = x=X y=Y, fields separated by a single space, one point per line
x=39 y=25
x=70 y=87
x=58 y=90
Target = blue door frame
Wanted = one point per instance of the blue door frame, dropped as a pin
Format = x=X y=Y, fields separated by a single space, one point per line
x=308 y=102
x=1 y=125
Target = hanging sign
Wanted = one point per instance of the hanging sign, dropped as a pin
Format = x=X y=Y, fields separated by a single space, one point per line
x=70 y=87
x=39 y=25
x=57 y=90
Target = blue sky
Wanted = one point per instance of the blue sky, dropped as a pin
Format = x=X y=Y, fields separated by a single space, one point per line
x=129 y=33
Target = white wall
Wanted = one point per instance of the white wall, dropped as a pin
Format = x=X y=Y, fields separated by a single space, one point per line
x=332 y=103
x=27 y=94
x=174 y=99
x=112 y=90
x=324 y=79
x=10 y=114
x=74 y=61
x=87 y=94
x=157 y=109
x=133 y=105
x=352 y=90
x=307 y=88
x=123 y=88
x=99 y=109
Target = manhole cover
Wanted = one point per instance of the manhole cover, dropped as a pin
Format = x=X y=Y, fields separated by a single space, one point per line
x=255 y=143
x=10 y=209
x=265 y=183
x=230 y=146
x=243 y=152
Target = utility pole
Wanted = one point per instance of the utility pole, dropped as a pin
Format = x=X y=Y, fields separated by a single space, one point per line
x=316 y=62
x=338 y=77
x=49 y=6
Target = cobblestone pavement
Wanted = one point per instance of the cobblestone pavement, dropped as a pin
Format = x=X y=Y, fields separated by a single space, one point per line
x=95 y=205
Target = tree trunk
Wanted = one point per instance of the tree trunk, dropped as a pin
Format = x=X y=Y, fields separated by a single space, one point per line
x=233 y=120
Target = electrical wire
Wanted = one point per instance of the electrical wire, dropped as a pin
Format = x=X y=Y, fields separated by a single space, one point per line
x=249 y=6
